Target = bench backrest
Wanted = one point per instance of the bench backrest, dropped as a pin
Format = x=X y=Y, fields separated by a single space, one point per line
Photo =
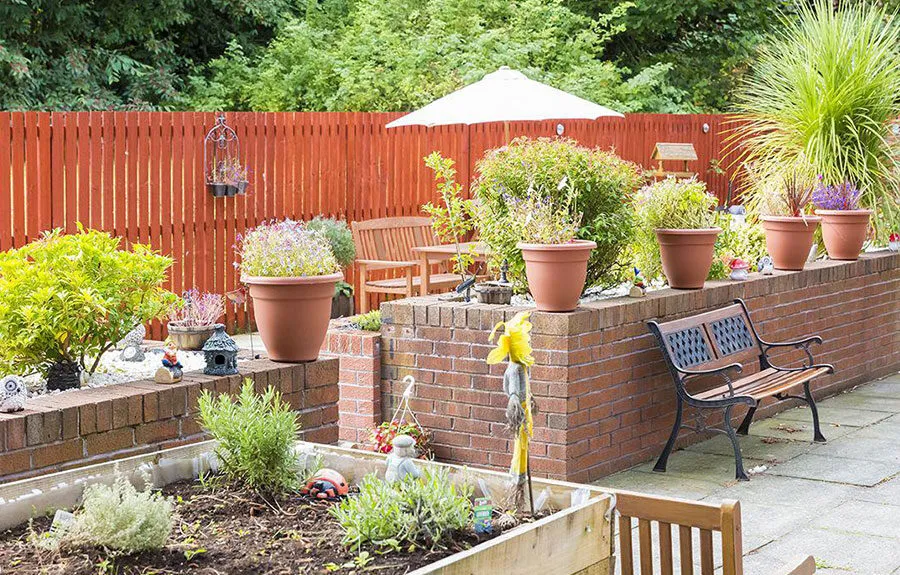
x=392 y=239
x=709 y=340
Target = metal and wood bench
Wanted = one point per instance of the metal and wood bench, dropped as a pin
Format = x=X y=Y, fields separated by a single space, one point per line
x=686 y=520
x=387 y=244
x=719 y=343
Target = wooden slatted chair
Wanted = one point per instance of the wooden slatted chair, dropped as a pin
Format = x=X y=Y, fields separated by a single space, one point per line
x=683 y=519
x=386 y=244
x=716 y=343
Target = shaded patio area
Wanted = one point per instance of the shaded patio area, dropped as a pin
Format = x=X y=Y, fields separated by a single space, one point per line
x=839 y=501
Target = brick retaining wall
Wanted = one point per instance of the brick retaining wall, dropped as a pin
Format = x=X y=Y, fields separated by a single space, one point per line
x=85 y=426
x=606 y=400
x=359 y=353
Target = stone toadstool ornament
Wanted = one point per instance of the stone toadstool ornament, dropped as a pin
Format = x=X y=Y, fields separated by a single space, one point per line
x=739 y=269
x=12 y=394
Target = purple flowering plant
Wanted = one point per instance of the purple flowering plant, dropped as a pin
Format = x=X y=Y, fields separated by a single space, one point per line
x=285 y=248
x=843 y=196
x=197 y=309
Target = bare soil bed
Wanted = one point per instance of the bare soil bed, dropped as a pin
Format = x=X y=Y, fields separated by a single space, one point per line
x=226 y=531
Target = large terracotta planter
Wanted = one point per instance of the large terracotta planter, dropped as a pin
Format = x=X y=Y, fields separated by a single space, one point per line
x=686 y=255
x=556 y=273
x=292 y=314
x=789 y=239
x=844 y=232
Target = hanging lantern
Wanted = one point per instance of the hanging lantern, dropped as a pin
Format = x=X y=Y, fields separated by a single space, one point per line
x=226 y=176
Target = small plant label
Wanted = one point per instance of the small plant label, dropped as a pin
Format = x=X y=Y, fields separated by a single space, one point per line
x=483 y=513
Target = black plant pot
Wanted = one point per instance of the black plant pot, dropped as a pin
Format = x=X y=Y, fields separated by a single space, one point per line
x=231 y=191
x=218 y=190
x=242 y=187
x=342 y=306
x=63 y=375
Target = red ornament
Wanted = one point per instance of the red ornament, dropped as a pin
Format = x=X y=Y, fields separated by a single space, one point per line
x=326 y=484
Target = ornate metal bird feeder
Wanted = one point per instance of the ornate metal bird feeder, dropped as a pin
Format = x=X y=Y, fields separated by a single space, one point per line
x=226 y=176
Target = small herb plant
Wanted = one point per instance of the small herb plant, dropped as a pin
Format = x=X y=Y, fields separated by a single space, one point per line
x=843 y=196
x=542 y=219
x=383 y=436
x=415 y=512
x=229 y=171
x=120 y=518
x=285 y=248
x=787 y=194
x=256 y=436
x=370 y=321
x=676 y=204
x=71 y=297
x=452 y=221
x=197 y=309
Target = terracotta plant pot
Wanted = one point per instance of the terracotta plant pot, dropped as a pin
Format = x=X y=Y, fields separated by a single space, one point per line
x=556 y=273
x=686 y=255
x=844 y=232
x=190 y=338
x=789 y=239
x=292 y=314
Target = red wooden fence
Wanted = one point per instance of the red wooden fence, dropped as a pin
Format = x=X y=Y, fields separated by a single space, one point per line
x=140 y=175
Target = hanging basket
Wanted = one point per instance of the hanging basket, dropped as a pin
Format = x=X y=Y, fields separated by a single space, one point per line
x=226 y=176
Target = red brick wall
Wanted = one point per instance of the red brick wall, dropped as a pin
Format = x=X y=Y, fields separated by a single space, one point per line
x=85 y=426
x=359 y=353
x=605 y=398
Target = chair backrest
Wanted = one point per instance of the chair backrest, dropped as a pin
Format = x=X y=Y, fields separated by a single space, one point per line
x=392 y=239
x=709 y=340
x=695 y=524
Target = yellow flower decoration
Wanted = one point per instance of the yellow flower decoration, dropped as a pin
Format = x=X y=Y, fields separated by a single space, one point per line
x=515 y=342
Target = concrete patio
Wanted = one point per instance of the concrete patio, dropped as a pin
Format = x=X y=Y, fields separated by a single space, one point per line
x=838 y=501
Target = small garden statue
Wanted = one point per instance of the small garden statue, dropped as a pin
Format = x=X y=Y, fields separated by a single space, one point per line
x=894 y=242
x=515 y=345
x=739 y=269
x=401 y=461
x=639 y=289
x=131 y=344
x=220 y=353
x=766 y=266
x=171 y=370
x=12 y=394
x=326 y=484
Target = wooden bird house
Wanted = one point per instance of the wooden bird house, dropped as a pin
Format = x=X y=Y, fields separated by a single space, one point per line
x=678 y=155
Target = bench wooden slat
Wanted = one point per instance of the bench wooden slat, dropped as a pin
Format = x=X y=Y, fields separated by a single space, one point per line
x=625 y=547
x=665 y=548
x=765 y=384
x=646 y=543
x=436 y=280
x=706 y=552
x=686 y=545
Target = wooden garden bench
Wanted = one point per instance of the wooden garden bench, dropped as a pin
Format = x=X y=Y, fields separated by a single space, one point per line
x=387 y=244
x=719 y=342
x=687 y=519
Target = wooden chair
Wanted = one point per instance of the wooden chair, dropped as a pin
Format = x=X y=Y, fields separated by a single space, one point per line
x=717 y=342
x=685 y=518
x=386 y=244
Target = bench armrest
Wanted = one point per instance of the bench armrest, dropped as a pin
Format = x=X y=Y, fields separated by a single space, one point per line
x=802 y=344
x=798 y=343
x=386 y=264
x=804 y=565
x=719 y=370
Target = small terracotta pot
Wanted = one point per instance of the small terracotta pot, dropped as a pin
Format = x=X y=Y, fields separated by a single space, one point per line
x=292 y=314
x=844 y=232
x=789 y=239
x=556 y=273
x=190 y=338
x=686 y=255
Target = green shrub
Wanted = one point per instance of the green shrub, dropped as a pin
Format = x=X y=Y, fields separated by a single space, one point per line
x=338 y=235
x=824 y=92
x=452 y=221
x=601 y=182
x=71 y=297
x=413 y=512
x=668 y=203
x=370 y=321
x=120 y=518
x=256 y=436
x=747 y=242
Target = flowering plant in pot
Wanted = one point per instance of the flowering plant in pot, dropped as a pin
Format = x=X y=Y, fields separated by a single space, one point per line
x=291 y=272
x=555 y=261
x=227 y=178
x=789 y=229
x=680 y=214
x=193 y=320
x=844 y=224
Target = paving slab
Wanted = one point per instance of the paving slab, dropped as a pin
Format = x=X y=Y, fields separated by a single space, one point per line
x=858 y=400
x=884 y=387
x=885 y=492
x=862 y=517
x=839 y=552
x=888 y=429
x=700 y=466
x=829 y=415
x=660 y=484
x=861 y=446
x=796 y=430
x=787 y=492
x=836 y=469
x=767 y=449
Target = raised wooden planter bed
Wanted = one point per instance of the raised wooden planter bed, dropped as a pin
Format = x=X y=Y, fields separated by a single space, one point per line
x=576 y=540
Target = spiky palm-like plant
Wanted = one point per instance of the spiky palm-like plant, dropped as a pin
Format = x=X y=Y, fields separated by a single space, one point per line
x=825 y=91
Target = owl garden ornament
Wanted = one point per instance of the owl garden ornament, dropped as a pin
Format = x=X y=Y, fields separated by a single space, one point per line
x=12 y=394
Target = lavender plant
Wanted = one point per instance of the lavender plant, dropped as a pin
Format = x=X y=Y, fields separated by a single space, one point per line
x=285 y=248
x=229 y=171
x=197 y=309
x=843 y=196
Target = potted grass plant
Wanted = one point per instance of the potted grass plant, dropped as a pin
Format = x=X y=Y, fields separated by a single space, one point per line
x=680 y=213
x=194 y=319
x=844 y=224
x=291 y=272
x=790 y=229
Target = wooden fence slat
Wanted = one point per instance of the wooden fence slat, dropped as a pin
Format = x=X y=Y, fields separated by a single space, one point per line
x=5 y=181
x=18 y=179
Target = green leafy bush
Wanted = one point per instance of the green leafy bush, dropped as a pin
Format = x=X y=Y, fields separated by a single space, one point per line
x=824 y=92
x=339 y=237
x=601 y=182
x=285 y=248
x=452 y=221
x=370 y=321
x=120 y=518
x=256 y=436
x=543 y=219
x=71 y=297
x=413 y=512
x=747 y=242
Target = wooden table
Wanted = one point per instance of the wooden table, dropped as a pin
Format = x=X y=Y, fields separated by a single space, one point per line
x=441 y=253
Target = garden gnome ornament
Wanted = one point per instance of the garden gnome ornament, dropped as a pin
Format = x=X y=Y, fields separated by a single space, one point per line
x=514 y=344
x=171 y=370
x=639 y=289
x=12 y=394
x=131 y=344
x=401 y=462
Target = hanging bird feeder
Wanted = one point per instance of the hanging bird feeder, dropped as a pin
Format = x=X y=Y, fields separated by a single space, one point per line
x=226 y=176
